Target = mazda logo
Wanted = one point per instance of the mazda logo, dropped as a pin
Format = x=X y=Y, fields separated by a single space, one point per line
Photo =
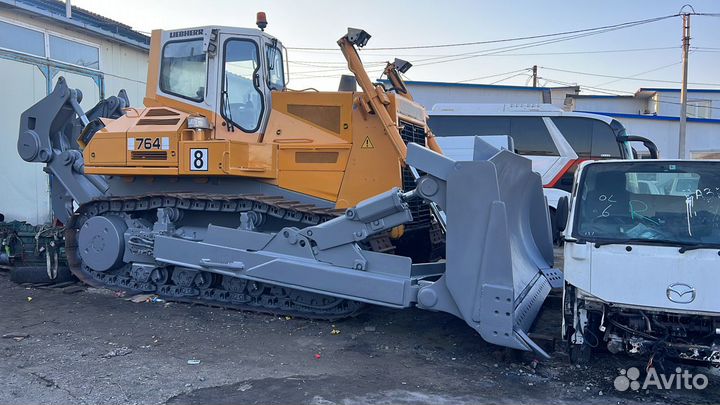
x=681 y=293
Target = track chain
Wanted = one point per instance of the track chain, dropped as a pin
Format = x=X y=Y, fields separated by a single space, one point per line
x=210 y=288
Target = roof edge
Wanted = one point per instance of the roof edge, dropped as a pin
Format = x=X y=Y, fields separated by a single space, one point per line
x=484 y=86
x=30 y=8
x=653 y=117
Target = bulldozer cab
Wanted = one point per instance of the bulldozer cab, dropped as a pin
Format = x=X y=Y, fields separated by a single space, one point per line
x=225 y=74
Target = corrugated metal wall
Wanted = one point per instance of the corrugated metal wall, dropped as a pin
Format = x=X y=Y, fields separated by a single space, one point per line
x=26 y=79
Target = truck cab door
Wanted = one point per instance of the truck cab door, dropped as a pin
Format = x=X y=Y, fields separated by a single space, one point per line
x=244 y=97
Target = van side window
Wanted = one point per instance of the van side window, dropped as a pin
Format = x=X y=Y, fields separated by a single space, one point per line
x=589 y=138
x=578 y=132
x=529 y=134
x=604 y=143
x=532 y=137
x=443 y=125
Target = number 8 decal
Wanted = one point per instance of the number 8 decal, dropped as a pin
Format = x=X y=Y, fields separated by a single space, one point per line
x=198 y=160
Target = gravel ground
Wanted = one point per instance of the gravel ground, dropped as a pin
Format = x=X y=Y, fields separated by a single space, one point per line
x=92 y=347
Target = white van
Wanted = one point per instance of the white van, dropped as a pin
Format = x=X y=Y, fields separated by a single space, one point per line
x=537 y=131
x=556 y=141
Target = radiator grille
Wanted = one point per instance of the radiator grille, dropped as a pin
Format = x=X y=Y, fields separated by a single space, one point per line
x=420 y=209
x=148 y=155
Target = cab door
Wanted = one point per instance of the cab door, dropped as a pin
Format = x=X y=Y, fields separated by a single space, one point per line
x=244 y=98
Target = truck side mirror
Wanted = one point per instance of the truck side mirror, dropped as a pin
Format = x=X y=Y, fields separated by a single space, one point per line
x=561 y=213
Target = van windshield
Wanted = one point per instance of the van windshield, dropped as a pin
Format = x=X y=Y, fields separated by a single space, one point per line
x=675 y=203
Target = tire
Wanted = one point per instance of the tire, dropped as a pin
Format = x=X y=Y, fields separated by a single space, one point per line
x=580 y=354
x=553 y=227
x=38 y=275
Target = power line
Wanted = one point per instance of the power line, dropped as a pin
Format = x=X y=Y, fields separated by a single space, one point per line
x=495 y=75
x=342 y=65
x=475 y=54
x=508 y=78
x=625 y=77
x=613 y=26
x=613 y=92
x=641 y=73
x=334 y=51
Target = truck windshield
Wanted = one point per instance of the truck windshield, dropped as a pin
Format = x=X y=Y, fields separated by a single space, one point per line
x=674 y=203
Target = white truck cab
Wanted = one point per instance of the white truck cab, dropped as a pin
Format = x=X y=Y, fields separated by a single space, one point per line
x=641 y=261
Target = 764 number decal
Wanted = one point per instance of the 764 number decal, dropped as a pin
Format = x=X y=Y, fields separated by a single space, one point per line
x=151 y=143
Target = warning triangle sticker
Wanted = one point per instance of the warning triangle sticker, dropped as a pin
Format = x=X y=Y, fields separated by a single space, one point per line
x=367 y=144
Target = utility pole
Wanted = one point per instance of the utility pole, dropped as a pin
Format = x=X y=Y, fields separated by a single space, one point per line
x=534 y=75
x=683 y=92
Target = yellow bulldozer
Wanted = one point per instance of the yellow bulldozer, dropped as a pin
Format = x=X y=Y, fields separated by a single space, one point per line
x=230 y=189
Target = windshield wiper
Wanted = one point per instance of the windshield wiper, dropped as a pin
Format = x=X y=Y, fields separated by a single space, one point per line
x=226 y=106
x=622 y=242
x=697 y=246
x=683 y=245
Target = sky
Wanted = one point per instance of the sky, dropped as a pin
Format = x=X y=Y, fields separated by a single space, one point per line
x=645 y=52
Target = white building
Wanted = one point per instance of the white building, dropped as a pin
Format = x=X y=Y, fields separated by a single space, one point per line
x=650 y=112
x=654 y=113
x=38 y=44
x=431 y=93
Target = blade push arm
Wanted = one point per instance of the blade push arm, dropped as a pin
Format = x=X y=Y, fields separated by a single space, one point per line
x=374 y=96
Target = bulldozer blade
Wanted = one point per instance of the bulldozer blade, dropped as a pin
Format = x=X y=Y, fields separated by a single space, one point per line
x=499 y=246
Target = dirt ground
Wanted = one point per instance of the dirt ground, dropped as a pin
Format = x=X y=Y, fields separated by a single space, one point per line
x=90 y=347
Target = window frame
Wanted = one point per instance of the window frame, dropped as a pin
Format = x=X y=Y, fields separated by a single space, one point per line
x=258 y=89
x=162 y=53
x=72 y=39
x=697 y=105
x=46 y=41
x=269 y=46
x=29 y=27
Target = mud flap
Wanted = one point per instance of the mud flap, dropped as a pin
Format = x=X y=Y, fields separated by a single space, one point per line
x=499 y=244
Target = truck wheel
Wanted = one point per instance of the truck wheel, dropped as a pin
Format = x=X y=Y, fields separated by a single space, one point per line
x=580 y=354
x=38 y=275
x=553 y=227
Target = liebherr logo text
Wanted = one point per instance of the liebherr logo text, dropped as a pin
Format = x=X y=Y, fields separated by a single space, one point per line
x=186 y=33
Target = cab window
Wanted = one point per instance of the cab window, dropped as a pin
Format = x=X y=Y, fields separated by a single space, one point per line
x=183 y=70
x=276 y=69
x=242 y=100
